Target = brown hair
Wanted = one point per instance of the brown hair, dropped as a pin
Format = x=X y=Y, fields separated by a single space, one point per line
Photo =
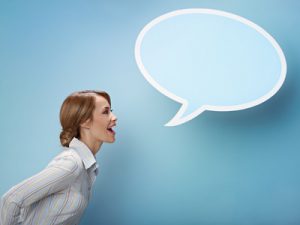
x=76 y=109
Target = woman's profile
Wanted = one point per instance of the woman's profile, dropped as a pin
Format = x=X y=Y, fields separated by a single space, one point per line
x=60 y=193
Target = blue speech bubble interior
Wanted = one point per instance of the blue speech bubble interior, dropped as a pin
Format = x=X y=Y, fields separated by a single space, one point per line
x=210 y=60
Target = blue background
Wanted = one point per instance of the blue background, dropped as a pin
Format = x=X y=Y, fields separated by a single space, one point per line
x=230 y=168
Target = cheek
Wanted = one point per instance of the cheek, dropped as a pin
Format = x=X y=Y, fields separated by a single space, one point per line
x=100 y=126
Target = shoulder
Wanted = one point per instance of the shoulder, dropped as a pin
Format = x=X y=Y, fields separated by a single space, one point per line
x=68 y=160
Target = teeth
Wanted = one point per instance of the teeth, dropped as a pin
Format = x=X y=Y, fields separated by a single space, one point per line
x=110 y=128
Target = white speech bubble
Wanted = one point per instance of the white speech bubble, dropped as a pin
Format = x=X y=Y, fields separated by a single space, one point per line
x=270 y=74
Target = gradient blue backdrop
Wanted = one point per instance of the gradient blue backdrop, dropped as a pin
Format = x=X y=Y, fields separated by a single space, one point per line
x=220 y=168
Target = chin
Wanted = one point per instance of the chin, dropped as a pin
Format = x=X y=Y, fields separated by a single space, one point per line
x=110 y=141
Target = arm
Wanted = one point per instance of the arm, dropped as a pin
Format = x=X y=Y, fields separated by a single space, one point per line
x=57 y=176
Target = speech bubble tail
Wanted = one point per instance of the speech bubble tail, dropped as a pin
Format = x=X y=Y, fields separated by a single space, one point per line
x=185 y=113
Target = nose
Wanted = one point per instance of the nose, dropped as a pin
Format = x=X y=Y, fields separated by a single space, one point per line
x=114 y=118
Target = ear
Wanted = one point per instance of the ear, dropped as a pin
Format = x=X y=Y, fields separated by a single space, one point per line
x=86 y=124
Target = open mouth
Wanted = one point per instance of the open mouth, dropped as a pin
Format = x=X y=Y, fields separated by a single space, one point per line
x=110 y=130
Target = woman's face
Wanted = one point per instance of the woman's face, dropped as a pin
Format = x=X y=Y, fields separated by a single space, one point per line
x=103 y=120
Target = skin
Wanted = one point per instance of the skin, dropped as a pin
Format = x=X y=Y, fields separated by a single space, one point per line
x=93 y=132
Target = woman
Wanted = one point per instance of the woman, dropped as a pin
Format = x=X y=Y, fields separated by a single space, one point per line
x=60 y=193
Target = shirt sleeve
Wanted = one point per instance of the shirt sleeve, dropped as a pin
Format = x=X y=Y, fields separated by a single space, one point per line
x=57 y=176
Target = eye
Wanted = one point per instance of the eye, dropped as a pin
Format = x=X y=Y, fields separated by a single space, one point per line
x=107 y=111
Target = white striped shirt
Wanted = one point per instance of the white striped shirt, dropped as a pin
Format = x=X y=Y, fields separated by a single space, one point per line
x=58 y=194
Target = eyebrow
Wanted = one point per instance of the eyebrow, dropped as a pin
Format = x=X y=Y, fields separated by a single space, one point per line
x=107 y=107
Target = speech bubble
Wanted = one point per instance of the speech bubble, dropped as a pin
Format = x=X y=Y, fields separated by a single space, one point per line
x=208 y=59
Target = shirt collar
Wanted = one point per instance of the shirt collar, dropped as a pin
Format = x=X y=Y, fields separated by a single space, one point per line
x=84 y=152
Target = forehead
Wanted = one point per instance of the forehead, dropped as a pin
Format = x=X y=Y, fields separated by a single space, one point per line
x=101 y=102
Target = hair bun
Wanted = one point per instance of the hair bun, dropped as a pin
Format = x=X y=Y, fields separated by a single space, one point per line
x=66 y=136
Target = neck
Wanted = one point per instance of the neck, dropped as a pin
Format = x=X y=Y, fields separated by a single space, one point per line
x=92 y=144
